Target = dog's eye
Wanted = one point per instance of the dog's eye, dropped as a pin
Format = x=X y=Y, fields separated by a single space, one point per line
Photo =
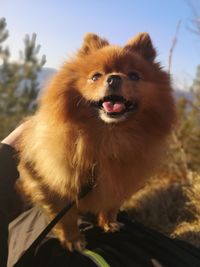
x=134 y=76
x=96 y=76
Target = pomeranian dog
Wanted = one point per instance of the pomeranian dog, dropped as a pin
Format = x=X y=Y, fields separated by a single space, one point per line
x=105 y=115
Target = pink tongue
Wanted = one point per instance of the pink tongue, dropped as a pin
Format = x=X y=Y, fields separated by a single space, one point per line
x=113 y=107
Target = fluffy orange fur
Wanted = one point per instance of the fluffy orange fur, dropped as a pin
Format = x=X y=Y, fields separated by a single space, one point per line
x=69 y=137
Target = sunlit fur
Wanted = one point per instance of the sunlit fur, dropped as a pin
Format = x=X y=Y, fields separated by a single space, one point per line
x=68 y=139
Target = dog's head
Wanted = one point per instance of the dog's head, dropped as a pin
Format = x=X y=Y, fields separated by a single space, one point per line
x=113 y=84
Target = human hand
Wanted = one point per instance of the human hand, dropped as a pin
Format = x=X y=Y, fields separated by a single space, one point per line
x=13 y=137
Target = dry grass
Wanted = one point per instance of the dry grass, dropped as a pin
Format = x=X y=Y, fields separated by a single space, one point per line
x=169 y=205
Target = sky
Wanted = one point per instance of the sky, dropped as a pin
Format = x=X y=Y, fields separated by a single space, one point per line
x=60 y=26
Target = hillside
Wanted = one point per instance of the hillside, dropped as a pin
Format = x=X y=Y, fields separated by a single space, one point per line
x=45 y=75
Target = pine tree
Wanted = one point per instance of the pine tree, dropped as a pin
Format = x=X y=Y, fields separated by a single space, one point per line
x=18 y=81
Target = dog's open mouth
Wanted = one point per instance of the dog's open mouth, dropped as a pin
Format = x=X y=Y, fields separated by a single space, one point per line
x=115 y=105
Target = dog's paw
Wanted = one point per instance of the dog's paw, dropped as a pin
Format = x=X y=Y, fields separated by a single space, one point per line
x=112 y=227
x=78 y=244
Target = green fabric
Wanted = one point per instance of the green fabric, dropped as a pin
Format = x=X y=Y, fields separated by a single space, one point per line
x=96 y=258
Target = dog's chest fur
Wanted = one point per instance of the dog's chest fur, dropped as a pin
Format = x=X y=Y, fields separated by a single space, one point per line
x=111 y=159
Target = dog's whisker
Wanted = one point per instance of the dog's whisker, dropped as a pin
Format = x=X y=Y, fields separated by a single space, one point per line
x=79 y=102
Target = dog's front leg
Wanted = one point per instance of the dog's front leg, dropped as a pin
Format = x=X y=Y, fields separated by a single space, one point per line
x=67 y=230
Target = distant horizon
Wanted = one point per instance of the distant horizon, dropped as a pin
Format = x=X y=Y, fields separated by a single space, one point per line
x=61 y=25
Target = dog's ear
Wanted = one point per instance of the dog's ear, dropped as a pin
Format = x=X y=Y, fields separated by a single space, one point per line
x=142 y=45
x=91 y=43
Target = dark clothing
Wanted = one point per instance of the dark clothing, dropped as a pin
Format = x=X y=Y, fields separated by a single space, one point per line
x=134 y=246
x=8 y=176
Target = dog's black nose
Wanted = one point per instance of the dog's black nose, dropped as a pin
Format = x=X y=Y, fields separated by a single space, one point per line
x=114 y=81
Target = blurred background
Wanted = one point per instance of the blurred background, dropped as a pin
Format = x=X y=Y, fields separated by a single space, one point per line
x=36 y=37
